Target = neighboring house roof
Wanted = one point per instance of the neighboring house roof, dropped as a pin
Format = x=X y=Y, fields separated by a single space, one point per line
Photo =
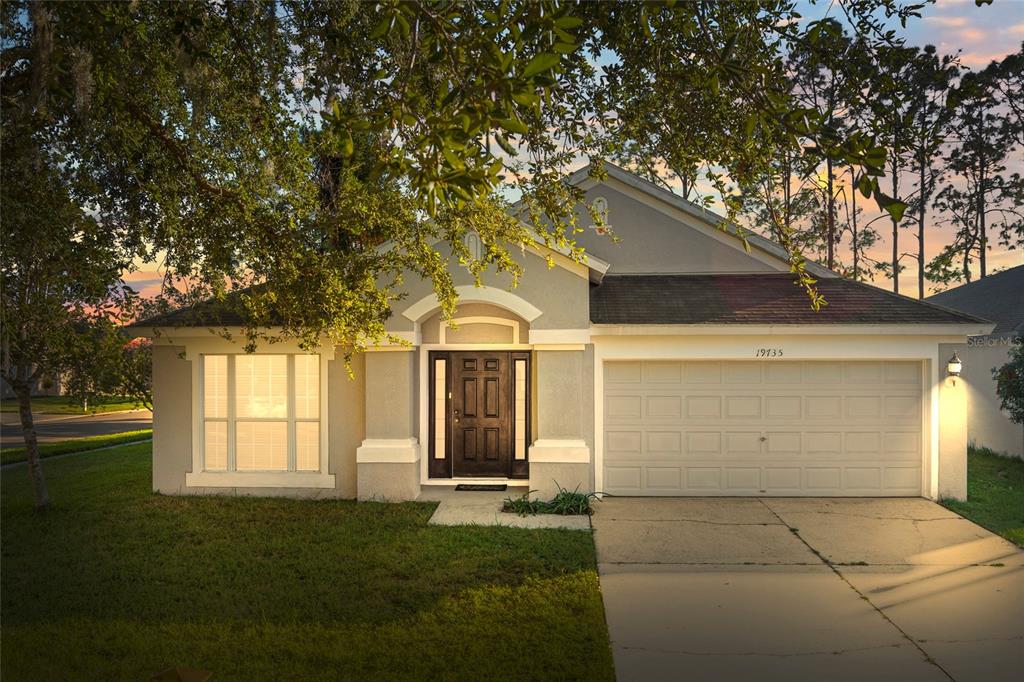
x=998 y=297
x=701 y=213
x=770 y=299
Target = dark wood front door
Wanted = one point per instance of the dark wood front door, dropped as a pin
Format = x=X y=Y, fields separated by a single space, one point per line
x=481 y=413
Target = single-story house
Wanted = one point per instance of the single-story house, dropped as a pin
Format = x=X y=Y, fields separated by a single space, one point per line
x=999 y=298
x=674 y=361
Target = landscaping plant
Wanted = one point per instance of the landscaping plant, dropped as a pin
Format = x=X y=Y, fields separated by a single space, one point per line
x=565 y=502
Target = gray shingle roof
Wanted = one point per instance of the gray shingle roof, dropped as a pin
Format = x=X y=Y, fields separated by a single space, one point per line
x=754 y=299
x=998 y=297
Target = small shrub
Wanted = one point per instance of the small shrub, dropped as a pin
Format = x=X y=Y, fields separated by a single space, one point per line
x=565 y=503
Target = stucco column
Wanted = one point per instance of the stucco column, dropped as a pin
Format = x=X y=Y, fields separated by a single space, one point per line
x=560 y=455
x=172 y=419
x=387 y=462
x=952 y=436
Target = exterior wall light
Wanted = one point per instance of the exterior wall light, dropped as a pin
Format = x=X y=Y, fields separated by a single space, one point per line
x=954 y=366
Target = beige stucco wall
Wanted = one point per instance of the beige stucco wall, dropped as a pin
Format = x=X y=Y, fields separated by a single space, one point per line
x=650 y=241
x=172 y=419
x=569 y=309
x=987 y=425
x=952 y=436
x=172 y=427
x=347 y=413
x=390 y=394
x=558 y=394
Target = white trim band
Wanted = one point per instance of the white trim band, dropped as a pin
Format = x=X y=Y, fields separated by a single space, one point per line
x=258 y=479
x=551 y=451
x=388 y=451
x=468 y=293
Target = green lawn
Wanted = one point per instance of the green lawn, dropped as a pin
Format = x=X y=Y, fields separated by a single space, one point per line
x=118 y=583
x=62 y=405
x=995 y=494
x=11 y=455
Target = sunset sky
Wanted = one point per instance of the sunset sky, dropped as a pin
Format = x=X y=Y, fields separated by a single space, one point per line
x=979 y=34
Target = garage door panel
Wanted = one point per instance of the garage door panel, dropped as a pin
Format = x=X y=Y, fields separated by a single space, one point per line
x=743 y=479
x=703 y=406
x=783 y=479
x=903 y=478
x=623 y=407
x=704 y=478
x=903 y=445
x=824 y=443
x=823 y=373
x=623 y=442
x=783 y=443
x=664 y=407
x=742 y=443
x=703 y=443
x=664 y=478
x=742 y=373
x=702 y=372
x=663 y=372
x=623 y=372
x=908 y=373
x=863 y=373
x=783 y=406
x=824 y=407
x=788 y=373
x=777 y=428
x=665 y=441
x=742 y=407
x=623 y=478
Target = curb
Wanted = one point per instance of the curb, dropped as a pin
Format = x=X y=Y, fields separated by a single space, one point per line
x=69 y=417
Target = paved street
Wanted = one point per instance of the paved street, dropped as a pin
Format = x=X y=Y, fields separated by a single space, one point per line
x=56 y=427
x=807 y=589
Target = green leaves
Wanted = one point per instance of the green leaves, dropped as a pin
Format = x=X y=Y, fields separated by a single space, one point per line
x=894 y=207
x=540 y=64
x=514 y=125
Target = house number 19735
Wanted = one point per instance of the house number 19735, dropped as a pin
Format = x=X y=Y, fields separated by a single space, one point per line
x=768 y=353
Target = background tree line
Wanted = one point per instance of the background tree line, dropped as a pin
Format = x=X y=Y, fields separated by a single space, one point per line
x=954 y=140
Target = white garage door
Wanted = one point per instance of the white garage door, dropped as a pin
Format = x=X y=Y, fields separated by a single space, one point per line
x=762 y=428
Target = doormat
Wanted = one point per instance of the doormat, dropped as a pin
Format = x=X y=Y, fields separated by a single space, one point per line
x=477 y=487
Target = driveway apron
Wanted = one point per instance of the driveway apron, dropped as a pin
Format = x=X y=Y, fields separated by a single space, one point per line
x=807 y=589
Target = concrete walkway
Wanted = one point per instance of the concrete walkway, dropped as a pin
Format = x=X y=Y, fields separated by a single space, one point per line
x=807 y=589
x=483 y=508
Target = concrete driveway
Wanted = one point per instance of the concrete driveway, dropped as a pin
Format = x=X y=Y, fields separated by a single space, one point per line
x=807 y=589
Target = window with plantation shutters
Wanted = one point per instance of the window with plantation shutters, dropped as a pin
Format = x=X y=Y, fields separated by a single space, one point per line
x=261 y=413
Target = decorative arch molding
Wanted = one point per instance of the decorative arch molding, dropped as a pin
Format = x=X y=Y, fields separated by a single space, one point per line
x=468 y=293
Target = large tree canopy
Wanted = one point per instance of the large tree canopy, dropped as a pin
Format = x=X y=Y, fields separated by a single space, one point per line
x=277 y=148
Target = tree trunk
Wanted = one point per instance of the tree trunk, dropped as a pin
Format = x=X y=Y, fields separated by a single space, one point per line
x=895 y=231
x=920 y=226
x=23 y=390
x=831 y=224
x=982 y=237
x=856 y=255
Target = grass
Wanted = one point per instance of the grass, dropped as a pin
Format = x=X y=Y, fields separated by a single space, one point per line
x=12 y=455
x=115 y=582
x=995 y=494
x=62 y=405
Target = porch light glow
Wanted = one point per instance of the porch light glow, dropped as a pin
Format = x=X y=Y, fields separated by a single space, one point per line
x=954 y=365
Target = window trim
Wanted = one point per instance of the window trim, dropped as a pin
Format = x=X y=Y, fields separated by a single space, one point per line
x=292 y=478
